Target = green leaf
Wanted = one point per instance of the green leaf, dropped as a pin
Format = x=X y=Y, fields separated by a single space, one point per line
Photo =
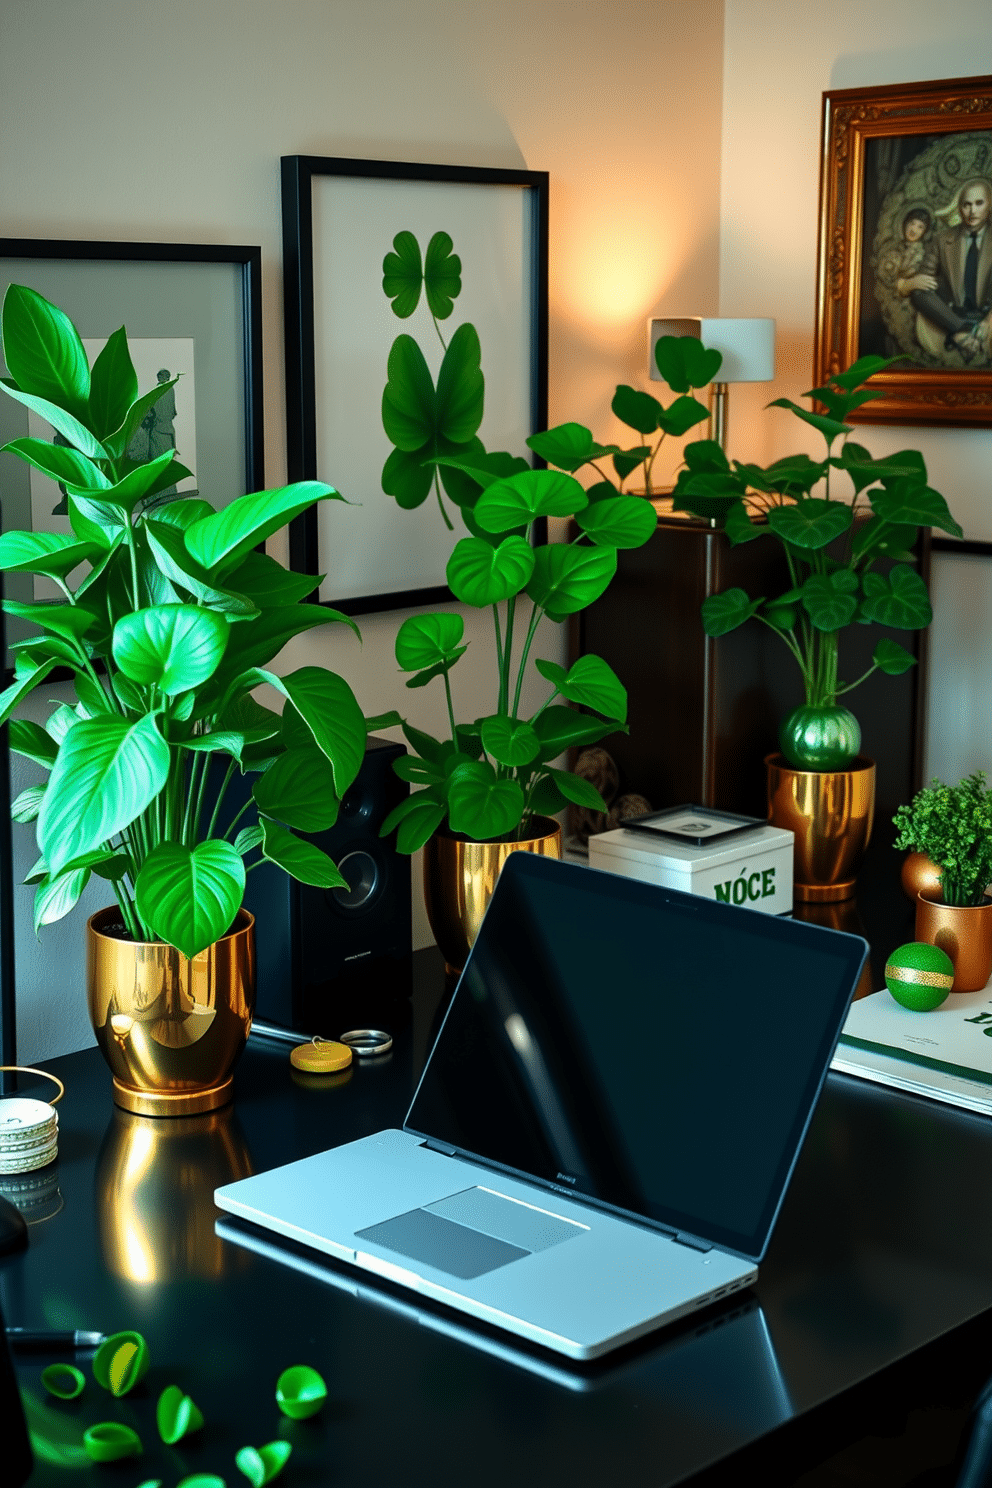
x=383 y=721
x=830 y=428
x=24 y=682
x=57 y=894
x=109 y=1441
x=247 y=840
x=684 y=362
x=562 y=728
x=911 y=504
x=533 y=493
x=591 y=683
x=129 y=490
x=43 y=351
x=899 y=599
x=460 y=387
x=53 y=615
x=442 y=276
x=190 y=896
x=415 y=820
x=262 y=1464
x=117 y=442
x=625 y=462
x=34 y=742
x=810 y=524
x=418 y=771
x=509 y=741
x=113 y=385
x=579 y=791
x=108 y=770
x=425 y=745
x=409 y=402
x=481 y=805
x=176 y=1415
x=25 y=807
x=569 y=446
x=566 y=579
x=67 y=425
x=58 y=462
x=892 y=658
x=402 y=275
x=793 y=475
x=221 y=541
x=50 y=553
x=637 y=409
x=168 y=547
x=479 y=574
x=301 y=860
x=172 y=647
x=266 y=583
x=429 y=641
x=257 y=643
x=407 y=477
x=298 y=789
x=725 y=612
x=738 y=525
x=621 y=522
x=831 y=600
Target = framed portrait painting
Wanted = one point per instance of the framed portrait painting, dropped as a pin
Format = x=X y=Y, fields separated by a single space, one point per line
x=905 y=248
x=341 y=218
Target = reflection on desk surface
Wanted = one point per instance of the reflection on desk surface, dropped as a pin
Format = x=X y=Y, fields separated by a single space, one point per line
x=711 y=1353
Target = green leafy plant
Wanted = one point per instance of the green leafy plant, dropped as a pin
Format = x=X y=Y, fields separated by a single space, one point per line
x=685 y=363
x=493 y=775
x=166 y=635
x=952 y=824
x=832 y=545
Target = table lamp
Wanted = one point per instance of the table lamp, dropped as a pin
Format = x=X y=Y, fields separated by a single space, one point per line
x=748 y=351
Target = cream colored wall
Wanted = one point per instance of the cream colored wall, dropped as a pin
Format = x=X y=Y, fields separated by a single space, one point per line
x=779 y=58
x=138 y=121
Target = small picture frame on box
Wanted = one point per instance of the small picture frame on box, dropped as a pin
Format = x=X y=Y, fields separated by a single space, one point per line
x=697 y=825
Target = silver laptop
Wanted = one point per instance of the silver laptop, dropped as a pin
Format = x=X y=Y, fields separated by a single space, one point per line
x=608 y=1121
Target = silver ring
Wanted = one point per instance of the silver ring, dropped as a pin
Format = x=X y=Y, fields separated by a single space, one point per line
x=367 y=1042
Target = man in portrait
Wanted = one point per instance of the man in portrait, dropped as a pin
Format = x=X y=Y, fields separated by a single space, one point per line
x=955 y=314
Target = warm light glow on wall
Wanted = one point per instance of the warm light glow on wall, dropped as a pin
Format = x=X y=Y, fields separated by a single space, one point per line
x=608 y=281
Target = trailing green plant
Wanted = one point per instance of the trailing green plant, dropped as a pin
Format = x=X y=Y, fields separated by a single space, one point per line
x=952 y=824
x=684 y=362
x=832 y=544
x=492 y=775
x=166 y=634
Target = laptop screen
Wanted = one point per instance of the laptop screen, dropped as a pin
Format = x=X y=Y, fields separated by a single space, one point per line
x=640 y=1047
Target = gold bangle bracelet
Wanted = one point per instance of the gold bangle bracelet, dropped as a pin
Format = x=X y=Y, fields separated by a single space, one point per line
x=29 y=1069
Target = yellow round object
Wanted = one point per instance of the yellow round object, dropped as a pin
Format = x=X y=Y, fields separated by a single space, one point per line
x=320 y=1058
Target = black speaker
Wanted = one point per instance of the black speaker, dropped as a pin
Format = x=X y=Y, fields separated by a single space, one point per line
x=330 y=956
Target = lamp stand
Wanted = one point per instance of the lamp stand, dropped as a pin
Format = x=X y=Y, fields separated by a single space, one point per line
x=718 y=414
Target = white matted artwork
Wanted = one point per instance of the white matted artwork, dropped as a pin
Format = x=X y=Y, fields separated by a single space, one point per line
x=375 y=555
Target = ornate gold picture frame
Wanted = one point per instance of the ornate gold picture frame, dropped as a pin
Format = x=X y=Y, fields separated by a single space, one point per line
x=905 y=246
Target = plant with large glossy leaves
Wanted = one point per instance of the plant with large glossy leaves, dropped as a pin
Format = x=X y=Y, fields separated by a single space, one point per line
x=490 y=777
x=832 y=544
x=166 y=634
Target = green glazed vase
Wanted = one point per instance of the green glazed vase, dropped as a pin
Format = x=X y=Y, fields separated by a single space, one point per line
x=820 y=737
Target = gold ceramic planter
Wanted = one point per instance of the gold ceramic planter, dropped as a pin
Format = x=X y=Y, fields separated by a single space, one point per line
x=459 y=878
x=170 y=1027
x=830 y=814
x=964 y=932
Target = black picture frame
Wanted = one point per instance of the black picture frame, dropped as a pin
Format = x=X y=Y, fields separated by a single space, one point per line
x=388 y=188
x=197 y=291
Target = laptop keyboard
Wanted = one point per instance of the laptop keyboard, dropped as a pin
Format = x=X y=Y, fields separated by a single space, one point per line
x=470 y=1233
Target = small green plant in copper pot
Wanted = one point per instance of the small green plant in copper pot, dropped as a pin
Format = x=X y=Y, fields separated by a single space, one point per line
x=952 y=825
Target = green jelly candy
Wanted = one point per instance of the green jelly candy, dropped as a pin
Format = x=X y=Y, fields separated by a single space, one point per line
x=109 y=1441
x=120 y=1362
x=63 y=1380
x=919 y=976
x=300 y=1392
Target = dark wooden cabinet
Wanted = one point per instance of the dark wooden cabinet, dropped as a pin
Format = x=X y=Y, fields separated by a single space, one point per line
x=703 y=713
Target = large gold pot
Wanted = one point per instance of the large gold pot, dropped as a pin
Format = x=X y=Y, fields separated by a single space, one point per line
x=963 y=931
x=170 y=1027
x=830 y=814
x=459 y=878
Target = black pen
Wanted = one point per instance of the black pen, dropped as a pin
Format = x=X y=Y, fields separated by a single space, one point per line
x=52 y=1340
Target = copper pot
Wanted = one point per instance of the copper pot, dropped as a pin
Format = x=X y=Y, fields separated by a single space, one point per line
x=171 y=1027
x=919 y=875
x=964 y=931
x=459 y=879
x=830 y=814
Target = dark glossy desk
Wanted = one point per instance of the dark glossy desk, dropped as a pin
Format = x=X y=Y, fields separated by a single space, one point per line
x=877 y=1291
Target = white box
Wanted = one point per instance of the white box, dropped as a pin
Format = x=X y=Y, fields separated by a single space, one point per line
x=751 y=868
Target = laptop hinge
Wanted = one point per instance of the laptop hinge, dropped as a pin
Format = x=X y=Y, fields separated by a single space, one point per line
x=442 y=1147
x=693 y=1241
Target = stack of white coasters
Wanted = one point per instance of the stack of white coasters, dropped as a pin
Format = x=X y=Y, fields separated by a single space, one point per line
x=29 y=1134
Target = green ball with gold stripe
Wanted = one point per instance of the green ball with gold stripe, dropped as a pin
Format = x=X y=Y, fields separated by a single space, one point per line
x=919 y=976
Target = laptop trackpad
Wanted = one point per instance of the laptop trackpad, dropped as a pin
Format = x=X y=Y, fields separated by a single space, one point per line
x=470 y=1233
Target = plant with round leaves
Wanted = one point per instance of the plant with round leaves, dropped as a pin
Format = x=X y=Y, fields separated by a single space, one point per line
x=952 y=825
x=833 y=545
x=171 y=627
x=490 y=777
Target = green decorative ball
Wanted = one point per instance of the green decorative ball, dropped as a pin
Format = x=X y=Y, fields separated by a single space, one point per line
x=815 y=737
x=919 y=976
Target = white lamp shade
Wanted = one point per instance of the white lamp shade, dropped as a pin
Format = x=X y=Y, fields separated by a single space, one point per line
x=747 y=346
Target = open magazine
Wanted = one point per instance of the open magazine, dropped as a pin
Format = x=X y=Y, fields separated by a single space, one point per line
x=945 y=1054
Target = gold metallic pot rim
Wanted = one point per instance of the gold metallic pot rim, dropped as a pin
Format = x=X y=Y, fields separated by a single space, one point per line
x=243 y=920
x=858 y=765
x=936 y=898
x=552 y=826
